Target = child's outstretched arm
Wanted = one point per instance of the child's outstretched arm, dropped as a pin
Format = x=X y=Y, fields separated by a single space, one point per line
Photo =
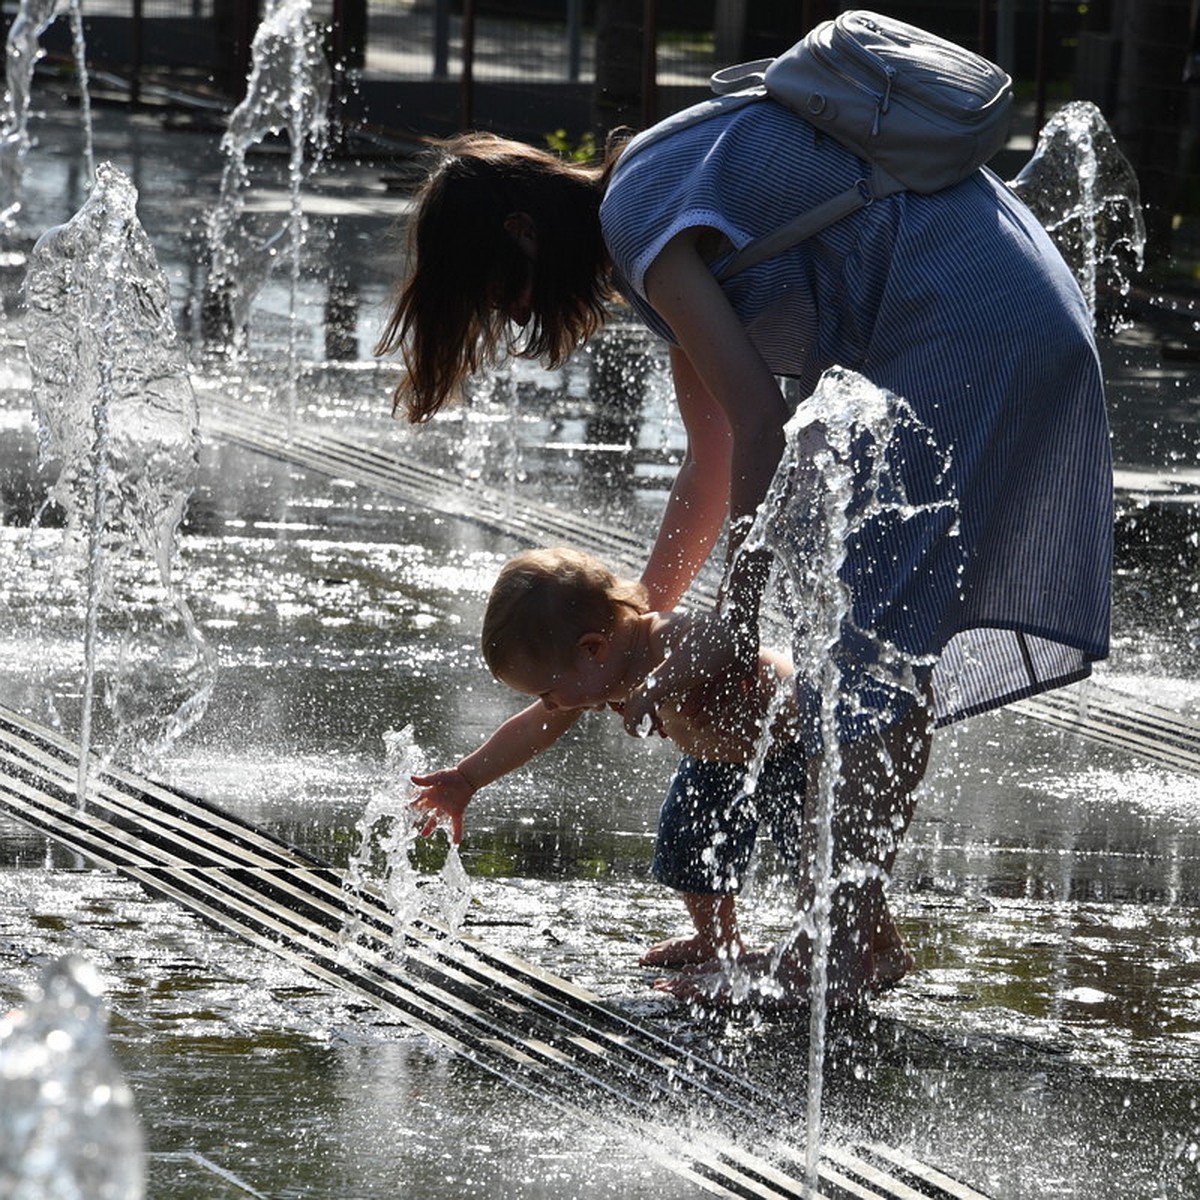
x=446 y=794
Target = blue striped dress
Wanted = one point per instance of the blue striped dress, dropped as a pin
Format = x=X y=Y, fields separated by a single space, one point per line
x=959 y=303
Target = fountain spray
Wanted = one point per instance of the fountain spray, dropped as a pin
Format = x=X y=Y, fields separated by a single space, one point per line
x=22 y=51
x=836 y=476
x=117 y=413
x=388 y=832
x=1085 y=192
x=287 y=92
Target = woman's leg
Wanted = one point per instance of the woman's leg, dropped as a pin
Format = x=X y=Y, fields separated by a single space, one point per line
x=781 y=800
x=873 y=807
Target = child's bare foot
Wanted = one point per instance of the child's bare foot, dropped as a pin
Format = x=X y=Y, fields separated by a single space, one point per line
x=683 y=951
x=758 y=979
x=775 y=980
x=716 y=934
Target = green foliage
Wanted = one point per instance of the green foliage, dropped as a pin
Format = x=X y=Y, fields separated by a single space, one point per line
x=583 y=151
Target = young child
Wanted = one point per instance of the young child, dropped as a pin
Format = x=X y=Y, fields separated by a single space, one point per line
x=561 y=627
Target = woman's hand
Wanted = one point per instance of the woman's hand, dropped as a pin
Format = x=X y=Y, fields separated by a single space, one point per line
x=445 y=794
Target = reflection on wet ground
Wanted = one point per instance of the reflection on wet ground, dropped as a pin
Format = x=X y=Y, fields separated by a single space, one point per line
x=1048 y=1043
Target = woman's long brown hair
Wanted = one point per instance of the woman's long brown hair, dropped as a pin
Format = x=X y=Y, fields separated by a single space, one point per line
x=448 y=319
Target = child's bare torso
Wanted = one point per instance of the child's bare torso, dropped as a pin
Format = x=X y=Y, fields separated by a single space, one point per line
x=724 y=720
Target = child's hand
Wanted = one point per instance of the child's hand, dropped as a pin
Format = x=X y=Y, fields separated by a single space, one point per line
x=640 y=714
x=444 y=794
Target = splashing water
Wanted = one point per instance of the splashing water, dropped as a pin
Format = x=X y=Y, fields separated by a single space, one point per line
x=22 y=51
x=836 y=477
x=388 y=832
x=67 y=1122
x=1084 y=191
x=287 y=93
x=116 y=412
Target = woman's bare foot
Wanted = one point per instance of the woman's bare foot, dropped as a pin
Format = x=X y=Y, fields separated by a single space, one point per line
x=892 y=963
x=892 y=959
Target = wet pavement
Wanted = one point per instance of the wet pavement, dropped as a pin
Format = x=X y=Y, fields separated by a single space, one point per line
x=1048 y=1044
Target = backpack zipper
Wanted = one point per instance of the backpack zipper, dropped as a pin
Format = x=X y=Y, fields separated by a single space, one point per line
x=875 y=64
x=980 y=86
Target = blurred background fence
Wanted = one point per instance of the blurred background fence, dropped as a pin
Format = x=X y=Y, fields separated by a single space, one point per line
x=572 y=69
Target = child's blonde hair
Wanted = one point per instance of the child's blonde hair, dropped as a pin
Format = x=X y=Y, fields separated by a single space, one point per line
x=544 y=601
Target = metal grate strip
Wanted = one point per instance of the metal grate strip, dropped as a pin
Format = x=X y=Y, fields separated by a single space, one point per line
x=540 y=1034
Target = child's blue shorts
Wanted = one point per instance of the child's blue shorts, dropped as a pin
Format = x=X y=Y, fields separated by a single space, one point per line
x=707 y=826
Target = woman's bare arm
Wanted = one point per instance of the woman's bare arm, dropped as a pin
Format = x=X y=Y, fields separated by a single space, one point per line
x=696 y=509
x=725 y=363
x=723 y=360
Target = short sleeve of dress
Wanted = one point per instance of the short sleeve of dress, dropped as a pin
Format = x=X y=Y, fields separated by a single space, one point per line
x=742 y=172
x=737 y=173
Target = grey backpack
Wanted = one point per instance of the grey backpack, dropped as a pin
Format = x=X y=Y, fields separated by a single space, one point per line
x=924 y=112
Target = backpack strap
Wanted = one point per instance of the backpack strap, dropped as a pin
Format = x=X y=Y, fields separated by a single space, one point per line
x=749 y=77
x=739 y=77
x=799 y=229
x=716 y=105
